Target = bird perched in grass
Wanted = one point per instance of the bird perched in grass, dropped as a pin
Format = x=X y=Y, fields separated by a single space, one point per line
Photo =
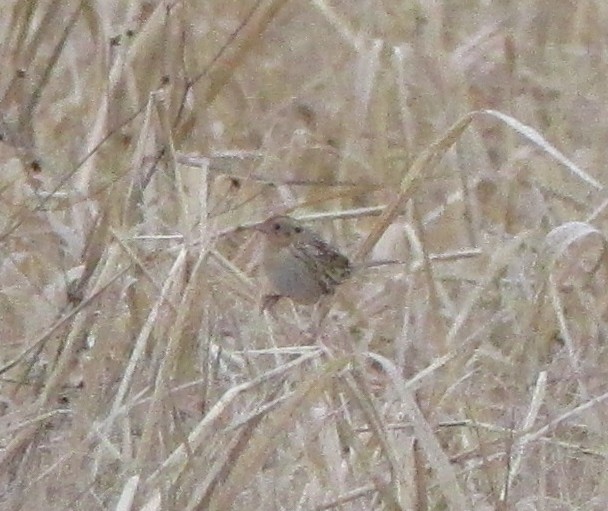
x=298 y=264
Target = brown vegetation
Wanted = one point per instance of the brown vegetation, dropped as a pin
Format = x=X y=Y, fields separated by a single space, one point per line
x=465 y=142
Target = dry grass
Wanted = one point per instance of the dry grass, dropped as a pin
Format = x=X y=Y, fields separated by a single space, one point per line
x=466 y=140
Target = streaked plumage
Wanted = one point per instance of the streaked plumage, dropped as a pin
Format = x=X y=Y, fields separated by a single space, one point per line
x=298 y=264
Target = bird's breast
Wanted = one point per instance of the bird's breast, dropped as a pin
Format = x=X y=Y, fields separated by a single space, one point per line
x=290 y=276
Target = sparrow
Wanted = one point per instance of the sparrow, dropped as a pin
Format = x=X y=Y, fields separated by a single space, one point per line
x=298 y=264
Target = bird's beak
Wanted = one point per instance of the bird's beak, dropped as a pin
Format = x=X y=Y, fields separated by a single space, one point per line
x=261 y=227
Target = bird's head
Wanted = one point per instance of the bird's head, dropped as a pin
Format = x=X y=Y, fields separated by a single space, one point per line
x=281 y=230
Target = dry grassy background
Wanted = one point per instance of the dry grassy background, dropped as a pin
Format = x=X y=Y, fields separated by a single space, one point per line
x=464 y=140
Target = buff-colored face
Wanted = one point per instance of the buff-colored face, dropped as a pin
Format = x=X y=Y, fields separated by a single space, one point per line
x=281 y=230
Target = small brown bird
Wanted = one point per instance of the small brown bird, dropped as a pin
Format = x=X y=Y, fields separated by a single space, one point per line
x=298 y=264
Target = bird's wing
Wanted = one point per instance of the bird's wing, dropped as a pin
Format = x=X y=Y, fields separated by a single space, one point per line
x=330 y=265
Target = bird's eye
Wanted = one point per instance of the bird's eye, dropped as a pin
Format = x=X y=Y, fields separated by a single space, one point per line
x=277 y=227
x=297 y=229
